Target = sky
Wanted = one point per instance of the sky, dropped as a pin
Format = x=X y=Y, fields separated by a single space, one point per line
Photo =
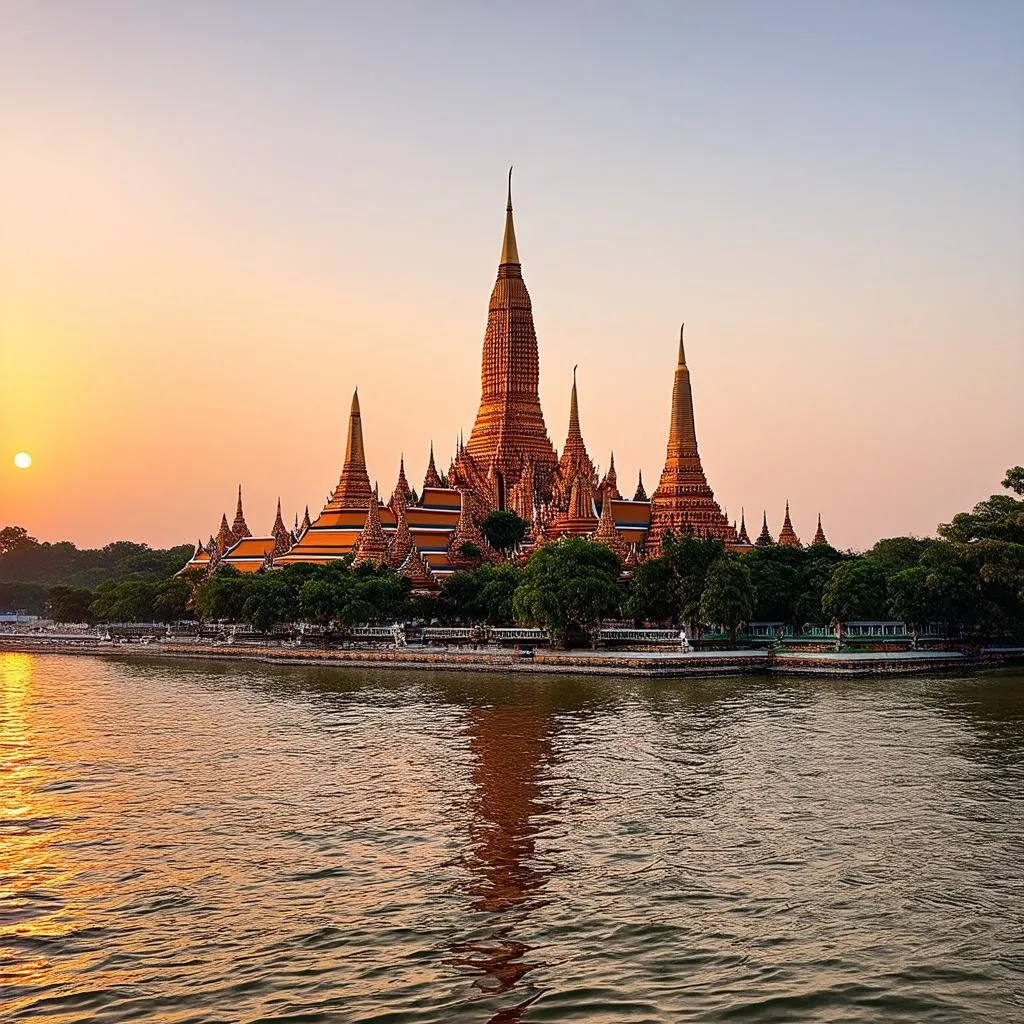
x=217 y=220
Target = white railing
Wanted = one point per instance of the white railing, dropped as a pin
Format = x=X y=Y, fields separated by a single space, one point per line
x=639 y=636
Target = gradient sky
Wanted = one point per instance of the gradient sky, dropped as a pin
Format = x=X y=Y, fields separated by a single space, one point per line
x=217 y=219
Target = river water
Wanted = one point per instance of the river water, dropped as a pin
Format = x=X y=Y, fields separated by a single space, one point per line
x=213 y=842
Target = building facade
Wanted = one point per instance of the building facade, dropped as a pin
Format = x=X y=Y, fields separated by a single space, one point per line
x=509 y=463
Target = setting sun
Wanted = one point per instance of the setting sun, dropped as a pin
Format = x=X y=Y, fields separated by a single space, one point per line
x=23 y=460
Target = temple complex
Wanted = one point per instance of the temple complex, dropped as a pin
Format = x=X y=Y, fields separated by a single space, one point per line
x=508 y=463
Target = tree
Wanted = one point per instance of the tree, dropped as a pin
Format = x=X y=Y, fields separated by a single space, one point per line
x=817 y=568
x=567 y=587
x=652 y=593
x=26 y=598
x=1014 y=480
x=689 y=559
x=69 y=604
x=504 y=530
x=728 y=596
x=897 y=553
x=170 y=600
x=951 y=597
x=15 y=538
x=855 y=591
x=221 y=596
x=908 y=597
x=776 y=574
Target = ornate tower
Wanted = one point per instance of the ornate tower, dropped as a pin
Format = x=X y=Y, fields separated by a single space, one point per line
x=575 y=460
x=683 y=500
x=787 y=536
x=353 y=490
x=819 y=534
x=239 y=528
x=509 y=428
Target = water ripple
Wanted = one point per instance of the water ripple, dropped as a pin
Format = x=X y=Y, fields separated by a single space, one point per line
x=203 y=843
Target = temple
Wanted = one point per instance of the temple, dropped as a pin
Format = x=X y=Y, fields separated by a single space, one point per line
x=508 y=463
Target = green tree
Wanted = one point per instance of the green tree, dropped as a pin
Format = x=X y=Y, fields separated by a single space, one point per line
x=897 y=553
x=815 y=572
x=777 y=576
x=504 y=530
x=689 y=560
x=652 y=595
x=69 y=604
x=26 y=598
x=16 y=538
x=952 y=597
x=221 y=596
x=908 y=599
x=1014 y=480
x=567 y=587
x=170 y=600
x=728 y=597
x=857 y=590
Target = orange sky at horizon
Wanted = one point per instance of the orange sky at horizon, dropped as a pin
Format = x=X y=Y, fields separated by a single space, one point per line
x=197 y=273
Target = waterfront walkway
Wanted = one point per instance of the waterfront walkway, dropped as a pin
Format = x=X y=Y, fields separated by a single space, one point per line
x=665 y=664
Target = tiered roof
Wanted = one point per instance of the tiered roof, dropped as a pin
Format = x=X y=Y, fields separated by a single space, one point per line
x=764 y=539
x=372 y=545
x=416 y=570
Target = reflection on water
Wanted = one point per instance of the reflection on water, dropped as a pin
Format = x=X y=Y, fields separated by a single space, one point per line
x=198 y=842
x=511 y=750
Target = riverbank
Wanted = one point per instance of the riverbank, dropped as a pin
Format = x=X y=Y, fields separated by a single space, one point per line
x=661 y=664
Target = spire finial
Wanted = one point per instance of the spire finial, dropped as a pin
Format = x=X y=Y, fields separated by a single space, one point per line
x=682 y=351
x=509 y=250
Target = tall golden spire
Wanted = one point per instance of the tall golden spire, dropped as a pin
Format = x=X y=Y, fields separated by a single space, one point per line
x=509 y=429
x=682 y=435
x=574 y=415
x=353 y=490
x=683 y=501
x=509 y=250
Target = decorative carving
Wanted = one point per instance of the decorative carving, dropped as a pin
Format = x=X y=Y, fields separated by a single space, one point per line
x=372 y=545
x=819 y=534
x=509 y=429
x=353 y=490
x=239 y=529
x=683 y=501
x=787 y=535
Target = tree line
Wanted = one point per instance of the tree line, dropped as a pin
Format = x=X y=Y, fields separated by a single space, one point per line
x=970 y=579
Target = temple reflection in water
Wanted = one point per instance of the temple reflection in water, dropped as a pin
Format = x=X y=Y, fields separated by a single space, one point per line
x=510 y=807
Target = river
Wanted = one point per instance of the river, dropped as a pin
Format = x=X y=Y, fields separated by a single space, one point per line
x=211 y=842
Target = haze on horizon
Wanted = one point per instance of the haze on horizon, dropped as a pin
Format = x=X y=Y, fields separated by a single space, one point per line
x=217 y=220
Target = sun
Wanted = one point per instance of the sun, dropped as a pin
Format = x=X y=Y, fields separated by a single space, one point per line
x=23 y=460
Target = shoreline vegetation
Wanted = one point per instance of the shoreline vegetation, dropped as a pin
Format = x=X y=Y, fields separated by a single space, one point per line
x=963 y=590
